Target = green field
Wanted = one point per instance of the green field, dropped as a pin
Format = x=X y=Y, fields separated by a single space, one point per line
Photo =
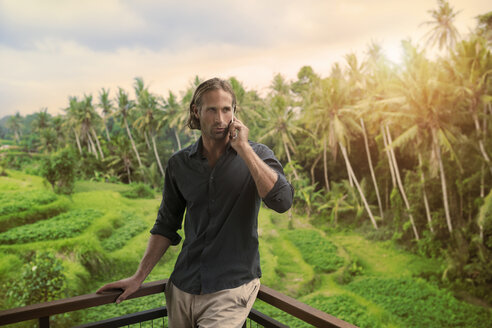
x=99 y=235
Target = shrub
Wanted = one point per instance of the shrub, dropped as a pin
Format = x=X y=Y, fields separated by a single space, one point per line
x=40 y=280
x=59 y=170
x=316 y=250
x=139 y=190
x=352 y=270
x=62 y=226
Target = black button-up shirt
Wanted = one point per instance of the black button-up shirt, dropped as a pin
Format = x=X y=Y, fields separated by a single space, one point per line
x=220 y=249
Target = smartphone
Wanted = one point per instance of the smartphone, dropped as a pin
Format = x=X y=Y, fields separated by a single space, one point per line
x=232 y=120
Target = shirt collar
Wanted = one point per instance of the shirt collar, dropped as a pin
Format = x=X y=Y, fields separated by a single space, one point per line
x=197 y=148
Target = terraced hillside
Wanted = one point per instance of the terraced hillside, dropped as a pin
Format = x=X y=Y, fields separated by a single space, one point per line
x=99 y=235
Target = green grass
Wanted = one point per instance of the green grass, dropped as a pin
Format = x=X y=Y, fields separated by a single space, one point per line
x=384 y=258
x=382 y=288
x=316 y=250
x=64 y=225
x=417 y=303
x=132 y=226
x=16 y=201
x=83 y=186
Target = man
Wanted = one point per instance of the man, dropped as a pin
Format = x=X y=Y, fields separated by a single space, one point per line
x=220 y=181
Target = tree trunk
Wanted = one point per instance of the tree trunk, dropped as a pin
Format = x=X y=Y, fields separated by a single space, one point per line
x=78 y=141
x=177 y=139
x=106 y=129
x=359 y=189
x=127 y=166
x=147 y=140
x=481 y=137
x=313 y=167
x=388 y=155
x=289 y=160
x=133 y=142
x=97 y=142
x=157 y=155
x=443 y=180
x=400 y=184
x=91 y=145
x=325 y=165
x=369 y=160
x=482 y=181
x=424 y=194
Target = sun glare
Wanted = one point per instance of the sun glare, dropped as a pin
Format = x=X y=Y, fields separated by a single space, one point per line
x=394 y=53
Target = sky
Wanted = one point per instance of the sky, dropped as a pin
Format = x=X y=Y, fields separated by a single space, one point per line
x=53 y=49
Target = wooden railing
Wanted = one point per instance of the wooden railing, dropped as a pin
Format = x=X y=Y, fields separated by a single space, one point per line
x=43 y=311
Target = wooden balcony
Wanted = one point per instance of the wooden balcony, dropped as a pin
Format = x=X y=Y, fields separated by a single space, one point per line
x=42 y=312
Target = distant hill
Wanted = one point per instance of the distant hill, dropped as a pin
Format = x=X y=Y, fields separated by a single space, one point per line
x=4 y=120
x=3 y=126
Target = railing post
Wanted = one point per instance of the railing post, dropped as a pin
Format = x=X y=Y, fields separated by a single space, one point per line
x=44 y=322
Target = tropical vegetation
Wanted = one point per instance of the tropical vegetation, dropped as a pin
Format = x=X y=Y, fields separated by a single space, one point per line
x=397 y=153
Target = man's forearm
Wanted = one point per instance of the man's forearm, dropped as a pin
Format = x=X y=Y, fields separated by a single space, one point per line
x=156 y=248
x=263 y=175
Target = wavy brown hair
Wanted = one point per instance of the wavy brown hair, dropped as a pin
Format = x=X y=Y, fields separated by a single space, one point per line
x=203 y=88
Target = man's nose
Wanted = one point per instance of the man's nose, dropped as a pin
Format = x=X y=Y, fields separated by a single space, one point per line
x=219 y=117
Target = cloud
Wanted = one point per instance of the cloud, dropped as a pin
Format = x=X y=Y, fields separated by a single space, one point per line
x=174 y=25
x=51 y=49
x=110 y=25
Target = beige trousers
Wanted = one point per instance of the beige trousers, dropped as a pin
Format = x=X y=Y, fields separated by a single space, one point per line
x=223 y=309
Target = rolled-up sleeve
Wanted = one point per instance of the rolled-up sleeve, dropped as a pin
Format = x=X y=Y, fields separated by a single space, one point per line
x=281 y=196
x=170 y=214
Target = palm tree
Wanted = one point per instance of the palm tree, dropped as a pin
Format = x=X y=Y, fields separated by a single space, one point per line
x=41 y=120
x=280 y=121
x=332 y=118
x=122 y=160
x=443 y=32
x=147 y=104
x=484 y=27
x=124 y=106
x=399 y=182
x=72 y=120
x=470 y=67
x=175 y=116
x=58 y=127
x=89 y=118
x=426 y=99
x=15 y=125
x=371 y=168
x=250 y=108
x=357 y=83
x=107 y=108
x=48 y=140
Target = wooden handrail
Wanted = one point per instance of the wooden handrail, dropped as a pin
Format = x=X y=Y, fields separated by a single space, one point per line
x=301 y=310
x=75 y=303
x=283 y=302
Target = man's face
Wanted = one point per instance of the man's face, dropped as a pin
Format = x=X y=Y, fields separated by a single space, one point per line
x=215 y=114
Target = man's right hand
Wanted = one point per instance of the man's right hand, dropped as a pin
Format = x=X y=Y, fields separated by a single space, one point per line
x=129 y=286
